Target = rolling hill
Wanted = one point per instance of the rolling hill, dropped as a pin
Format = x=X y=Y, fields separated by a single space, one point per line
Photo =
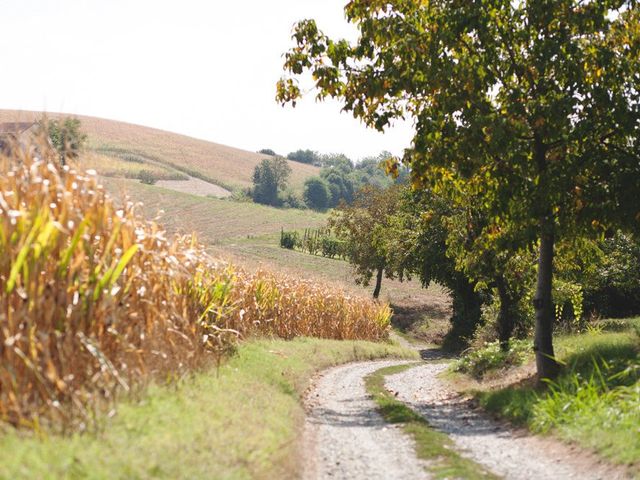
x=243 y=231
x=122 y=149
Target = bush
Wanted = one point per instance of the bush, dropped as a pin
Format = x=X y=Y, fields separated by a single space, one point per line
x=311 y=242
x=240 y=195
x=331 y=247
x=147 y=177
x=291 y=199
x=289 y=240
x=316 y=193
x=66 y=137
x=131 y=157
x=304 y=156
x=267 y=151
x=490 y=357
x=614 y=288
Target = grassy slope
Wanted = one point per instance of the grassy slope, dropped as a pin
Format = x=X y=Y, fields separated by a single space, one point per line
x=582 y=411
x=213 y=220
x=239 y=422
x=228 y=224
x=249 y=234
x=228 y=165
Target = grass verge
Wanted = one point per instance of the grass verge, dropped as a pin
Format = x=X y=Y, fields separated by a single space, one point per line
x=431 y=445
x=239 y=421
x=595 y=402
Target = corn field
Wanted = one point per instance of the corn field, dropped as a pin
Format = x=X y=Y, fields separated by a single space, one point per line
x=95 y=301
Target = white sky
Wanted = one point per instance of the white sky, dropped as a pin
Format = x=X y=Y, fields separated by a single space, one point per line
x=202 y=68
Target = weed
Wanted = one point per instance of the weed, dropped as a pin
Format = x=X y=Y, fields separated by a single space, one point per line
x=491 y=357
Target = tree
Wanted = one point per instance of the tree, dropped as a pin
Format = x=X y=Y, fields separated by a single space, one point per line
x=340 y=185
x=269 y=179
x=336 y=161
x=364 y=226
x=316 y=193
x=533 y=105
x=420 y=229
x=66 y=137
x=304 y=156
x=484 y=254
x=612 y=287
x=267 y=151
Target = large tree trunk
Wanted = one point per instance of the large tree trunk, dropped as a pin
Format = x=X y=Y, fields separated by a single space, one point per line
x=376 y=291
x=467 y=310
x=506 y=315
x=543 y=345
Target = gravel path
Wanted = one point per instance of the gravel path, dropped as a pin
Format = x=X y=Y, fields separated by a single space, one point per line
x=194 y=186
x=346 y=438
x=507 y=452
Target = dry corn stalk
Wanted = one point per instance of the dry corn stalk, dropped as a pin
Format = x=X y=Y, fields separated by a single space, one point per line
x=94 y=300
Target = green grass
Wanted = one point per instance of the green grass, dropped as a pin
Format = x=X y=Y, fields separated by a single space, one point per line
x=215 y=221
x=433 y=446
x=241 y=421
x=595 y=402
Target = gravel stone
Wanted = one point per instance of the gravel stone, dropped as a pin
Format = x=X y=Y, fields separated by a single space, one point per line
x=508 y=452
x=346 y=438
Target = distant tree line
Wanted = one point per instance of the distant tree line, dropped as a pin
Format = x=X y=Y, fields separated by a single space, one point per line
x=339 y=180
x=399 y=233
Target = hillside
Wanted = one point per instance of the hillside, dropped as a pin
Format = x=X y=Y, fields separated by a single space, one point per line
x=245 y=232
x=215 y=221
x=119 y=148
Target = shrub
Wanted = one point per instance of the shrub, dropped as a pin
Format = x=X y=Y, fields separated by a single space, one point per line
x=289 y=240
x=147 y=177
x=331 y=247
x=478 y=362
x=150 y=176
x=267 y=151
x=66 y=137
x=291 y=199
x=131 y=157
x=613 y=290
x=304 y=156
x=316 y=193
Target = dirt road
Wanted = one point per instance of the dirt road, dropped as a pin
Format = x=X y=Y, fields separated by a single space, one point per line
x=346 y=438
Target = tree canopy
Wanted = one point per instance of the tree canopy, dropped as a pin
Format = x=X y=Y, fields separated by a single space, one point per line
x=365 y=226
x=269 y=179
x=66 y=137
x=533 y=107
x=304 y=156
x=317 y=194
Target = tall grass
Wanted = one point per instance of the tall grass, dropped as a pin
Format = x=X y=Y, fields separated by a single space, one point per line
x=594 y=402
x=94 y=300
